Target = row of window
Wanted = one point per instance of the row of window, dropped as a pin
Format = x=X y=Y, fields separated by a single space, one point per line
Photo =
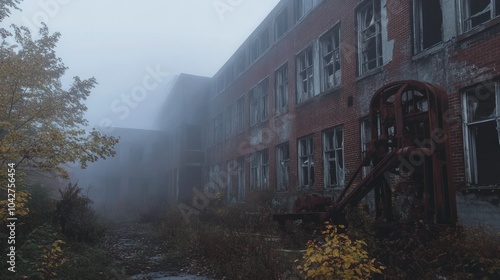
x=428 y=32
x=259 y=45
x=227 y=123
x=333 y=161
x=481 y=112
x=231 y=176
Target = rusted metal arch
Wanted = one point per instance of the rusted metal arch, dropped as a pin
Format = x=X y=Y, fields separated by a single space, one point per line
x=422 y=128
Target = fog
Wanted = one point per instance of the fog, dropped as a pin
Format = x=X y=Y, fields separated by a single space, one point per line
x=136 y=50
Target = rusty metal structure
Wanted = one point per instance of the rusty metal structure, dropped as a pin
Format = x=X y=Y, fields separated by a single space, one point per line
x=408 y=153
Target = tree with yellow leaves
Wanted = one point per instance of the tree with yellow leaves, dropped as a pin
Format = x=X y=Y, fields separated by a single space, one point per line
x=42 y=124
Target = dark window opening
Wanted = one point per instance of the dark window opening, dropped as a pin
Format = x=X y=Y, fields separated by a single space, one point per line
x=482 y=115
x=432 y=23
x=478 y=12
x=487 y=153
x=281 y=24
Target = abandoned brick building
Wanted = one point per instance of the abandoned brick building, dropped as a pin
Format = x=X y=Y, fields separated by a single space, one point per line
x=287 y=113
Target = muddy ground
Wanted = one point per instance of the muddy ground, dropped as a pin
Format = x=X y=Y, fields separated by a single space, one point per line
x=142 y=256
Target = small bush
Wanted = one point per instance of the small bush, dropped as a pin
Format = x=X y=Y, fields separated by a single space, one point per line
x=77 y=219
x=338 y=257
x=41 y=254
x=84 y=261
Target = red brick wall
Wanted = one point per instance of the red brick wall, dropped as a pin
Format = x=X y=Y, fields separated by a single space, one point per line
x=460 y=63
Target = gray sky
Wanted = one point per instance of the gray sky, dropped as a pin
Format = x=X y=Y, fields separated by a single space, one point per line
x=135 y=48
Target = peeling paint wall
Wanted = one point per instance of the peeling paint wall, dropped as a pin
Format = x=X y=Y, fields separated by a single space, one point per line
x=449 y=19
x=387 y=45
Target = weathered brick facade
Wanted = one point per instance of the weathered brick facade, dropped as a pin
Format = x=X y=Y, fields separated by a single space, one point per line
x=463 y=57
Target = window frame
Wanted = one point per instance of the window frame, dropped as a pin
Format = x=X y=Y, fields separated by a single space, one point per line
x=306 y=159
x=470 y=154
x=466 y=24
x=281 y=24
x=228 y=119
x=259 y=170
x=300 y=10
x=305 y=74
x=365 y=126
x=282 y=166
x=331 y=152
x=259 y=45
x=281 y=89
x=241 y=178
x=363 y=66
x=419 y=28
x=239 y=107
x=333 y=37
x=259 y=102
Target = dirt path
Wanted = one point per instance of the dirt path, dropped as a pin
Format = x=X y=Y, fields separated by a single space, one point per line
x=142 y=257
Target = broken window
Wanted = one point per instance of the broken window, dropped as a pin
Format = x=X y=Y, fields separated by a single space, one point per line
x=306 y=161
x=241 y=64
x=305 y=75
x=259 y=45
x=238 y=121
x=241 y=178
x=217 y=177
x=302 y=7
x=258 y=103
x=233 y=118
x=369 y=36
x=229 y=188
x=281 y=89
x=217 y=128
x=333 y=146
x=482 y=131
x=281 y=24
x=330 y=54
x=366 y=137
x=428 y=23
x=282 y=166
x=259 y=170
x=228 y=117
x=477 y=12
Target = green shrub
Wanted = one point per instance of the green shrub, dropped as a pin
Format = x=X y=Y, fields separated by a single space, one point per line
x=41 y=254
x=84 y=261
x=76 y=217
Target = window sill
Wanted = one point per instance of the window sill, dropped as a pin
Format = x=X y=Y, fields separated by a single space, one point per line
x=281 y=113
x=478 y=29
x=331 y=90
x=261 y=123
x=481 y=189
x=427 y=52
x=305 y=102
x=370 y=73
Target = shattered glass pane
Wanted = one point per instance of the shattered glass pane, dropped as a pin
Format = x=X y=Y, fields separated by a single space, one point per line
x=481 y=106
x=480 y=11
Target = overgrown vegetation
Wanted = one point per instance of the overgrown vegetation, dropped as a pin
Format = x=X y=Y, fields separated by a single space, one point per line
x=76 y=217
x=337 y=257
x=236 y=242
x=60 y=239
x=419 y=251
x=239 y=242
